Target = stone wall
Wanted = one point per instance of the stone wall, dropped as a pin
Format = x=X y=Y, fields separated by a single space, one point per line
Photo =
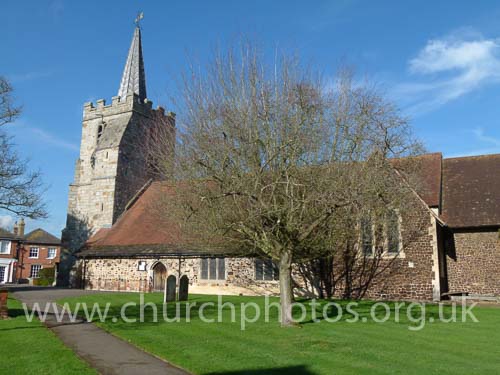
x=123 y=275
x=413 y=274
x=474 y=262
x=110 y=169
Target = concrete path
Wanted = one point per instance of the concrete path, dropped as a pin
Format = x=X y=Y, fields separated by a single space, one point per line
x=106 y=353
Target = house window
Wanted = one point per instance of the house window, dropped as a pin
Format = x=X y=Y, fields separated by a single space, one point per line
x=213 y=269
x=34 y=252
x=2 y=274
x=35 y=270
x=51 y=253
x=4 y=247
x=367 y=236
x=141 y=266
x=265 y=269
x=393 y=232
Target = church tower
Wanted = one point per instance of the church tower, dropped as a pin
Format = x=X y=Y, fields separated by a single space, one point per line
x=112 y=166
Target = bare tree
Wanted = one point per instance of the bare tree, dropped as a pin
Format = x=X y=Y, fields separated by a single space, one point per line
x=20 y=189
x=277 y=163
x=8 y=111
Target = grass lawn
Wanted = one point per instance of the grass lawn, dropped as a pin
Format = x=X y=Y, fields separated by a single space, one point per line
x=311 y=348
x=31 y=348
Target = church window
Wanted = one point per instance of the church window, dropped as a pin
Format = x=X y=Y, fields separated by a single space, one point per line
x=393 y=232
x=213 y=269
x=265 y=269
x=367 y=236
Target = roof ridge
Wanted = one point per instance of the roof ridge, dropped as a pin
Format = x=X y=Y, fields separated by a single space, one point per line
x=473 y=156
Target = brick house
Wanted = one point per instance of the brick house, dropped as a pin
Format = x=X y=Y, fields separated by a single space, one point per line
x=8 y=256
x=22 y=256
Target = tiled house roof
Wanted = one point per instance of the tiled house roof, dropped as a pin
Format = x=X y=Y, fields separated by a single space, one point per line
x=6 y=234
x=471 y=191
x=41 y=236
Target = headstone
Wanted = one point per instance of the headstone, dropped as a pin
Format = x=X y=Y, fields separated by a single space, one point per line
x=183 y=288
x=4 y=310
x=171 y=286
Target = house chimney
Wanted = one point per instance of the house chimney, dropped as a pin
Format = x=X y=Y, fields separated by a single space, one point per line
x=21 y=227
x=16 y=229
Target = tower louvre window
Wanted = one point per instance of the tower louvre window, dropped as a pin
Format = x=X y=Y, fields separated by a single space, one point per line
x=99 y=131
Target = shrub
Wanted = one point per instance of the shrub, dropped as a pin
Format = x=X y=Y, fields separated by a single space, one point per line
x=45 y=277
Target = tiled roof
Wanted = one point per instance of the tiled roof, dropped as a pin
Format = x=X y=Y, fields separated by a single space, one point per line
x=427 y=169
x=6 y=234
x=471 y=191
x=41 y=236
x=138 y=231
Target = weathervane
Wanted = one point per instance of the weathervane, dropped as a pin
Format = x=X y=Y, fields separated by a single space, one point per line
x=138 y=19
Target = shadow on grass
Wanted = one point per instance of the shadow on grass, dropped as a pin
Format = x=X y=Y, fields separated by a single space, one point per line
x=15 y=312
x=292 y=370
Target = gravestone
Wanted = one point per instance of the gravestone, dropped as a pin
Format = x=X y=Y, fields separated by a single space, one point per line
x=171 y=285
x=183 y=288
x=4 y=311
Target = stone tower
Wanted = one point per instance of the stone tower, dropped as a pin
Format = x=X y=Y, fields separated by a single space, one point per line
x=112 y=166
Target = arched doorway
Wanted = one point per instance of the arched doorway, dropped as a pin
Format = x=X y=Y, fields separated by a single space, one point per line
x=159 y=277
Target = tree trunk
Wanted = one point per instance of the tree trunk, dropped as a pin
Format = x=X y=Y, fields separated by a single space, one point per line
x=286 y=296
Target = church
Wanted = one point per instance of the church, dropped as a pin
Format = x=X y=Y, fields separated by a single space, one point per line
x=114 y=243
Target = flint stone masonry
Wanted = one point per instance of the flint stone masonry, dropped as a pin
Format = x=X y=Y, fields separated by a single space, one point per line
x=123 y=275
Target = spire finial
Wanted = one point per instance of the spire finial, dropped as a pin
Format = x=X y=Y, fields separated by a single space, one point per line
x=133 y=78
x=137 y=21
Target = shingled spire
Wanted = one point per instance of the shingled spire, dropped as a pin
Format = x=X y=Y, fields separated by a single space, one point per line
x=134 y=78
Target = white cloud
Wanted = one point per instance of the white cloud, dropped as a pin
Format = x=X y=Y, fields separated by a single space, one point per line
x=23 y=129
x=481 y=136
x=16 y=78
x=6 y=222
x=53 y=140
x=448 y=68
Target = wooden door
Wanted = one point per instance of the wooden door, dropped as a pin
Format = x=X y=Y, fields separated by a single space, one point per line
x=159 y=277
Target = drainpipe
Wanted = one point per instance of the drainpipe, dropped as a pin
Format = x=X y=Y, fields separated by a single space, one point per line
x=84 y=273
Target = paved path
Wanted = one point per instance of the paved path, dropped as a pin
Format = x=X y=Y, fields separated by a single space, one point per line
x=106 y=353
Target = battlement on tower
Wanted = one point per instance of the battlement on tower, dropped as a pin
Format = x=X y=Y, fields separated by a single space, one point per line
x=131 y=102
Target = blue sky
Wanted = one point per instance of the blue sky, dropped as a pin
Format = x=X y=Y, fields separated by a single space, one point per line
x=440 y=61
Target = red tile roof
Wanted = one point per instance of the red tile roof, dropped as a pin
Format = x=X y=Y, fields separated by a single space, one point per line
x=139 y=230
x=471 y=191
x=139 y=225
x=428 y=171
